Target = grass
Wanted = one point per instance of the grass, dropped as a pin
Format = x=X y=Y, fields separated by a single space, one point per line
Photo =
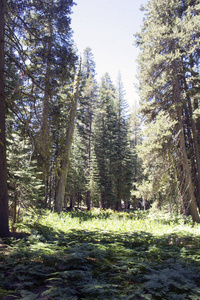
x=102 y=255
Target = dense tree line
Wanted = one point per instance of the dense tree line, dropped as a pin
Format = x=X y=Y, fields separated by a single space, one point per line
x=66 y=140
x=52 y=111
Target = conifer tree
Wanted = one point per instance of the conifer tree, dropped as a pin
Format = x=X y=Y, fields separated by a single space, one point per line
x=52 y=60
x=85 y=116
x=105 y=136
x=137 y=170
x=24 y=179
x=164 y=59
x=40 y=63
x=123 y=164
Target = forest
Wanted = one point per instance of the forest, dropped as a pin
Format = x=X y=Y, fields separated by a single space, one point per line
x=68 y=141
x=74 y=155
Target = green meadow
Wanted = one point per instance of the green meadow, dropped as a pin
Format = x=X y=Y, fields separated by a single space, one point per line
x=101 y=255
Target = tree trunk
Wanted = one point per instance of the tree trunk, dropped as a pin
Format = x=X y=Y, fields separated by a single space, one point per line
x=4 y=228
x=60 y=191
x=88 y=200
x=195 y=144
x=45 y=134
x=72 y=201
x=188 y=178
x=119 y=194
x=88 y=193
x=102 y=200
x=14 y=212
x=184 y=158
x=197 y=122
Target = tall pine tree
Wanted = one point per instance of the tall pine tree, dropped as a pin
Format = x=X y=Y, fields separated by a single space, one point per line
x=164 y=58
x=86 y=115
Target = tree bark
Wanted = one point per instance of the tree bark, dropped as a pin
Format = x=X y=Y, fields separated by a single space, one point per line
x=195 y=144
x=4 y=228
x=188 y=177
x=102 y=200
x=119 y=194
x=88 y=204
x=45 y=134
x=60 y=191
x=184 y=158
x=88 y=193
x=72 y=201
x=197 y=122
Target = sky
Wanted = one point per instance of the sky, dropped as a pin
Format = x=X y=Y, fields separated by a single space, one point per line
x=108 y=28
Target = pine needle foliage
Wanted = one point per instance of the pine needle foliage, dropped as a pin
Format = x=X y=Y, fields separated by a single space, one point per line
x=102 y=255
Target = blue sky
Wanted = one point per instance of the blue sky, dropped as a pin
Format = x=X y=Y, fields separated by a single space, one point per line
x=107 y=27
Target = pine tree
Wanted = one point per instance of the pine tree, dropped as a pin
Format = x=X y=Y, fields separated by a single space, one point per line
x=52 y=61
x=40 y=63
x=123 y=158
x=105 y=136
x=158 y=153
x=85 y=116
x=162 y=62
x=24 y=183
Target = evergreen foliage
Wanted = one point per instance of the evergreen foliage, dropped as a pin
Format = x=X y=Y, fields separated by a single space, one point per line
x=85 y=117
x=73 y=142
x=40 y=63
x=105 y=136
x=69 y=143
x=25 y=186
x=167 y=75
x=124 y=157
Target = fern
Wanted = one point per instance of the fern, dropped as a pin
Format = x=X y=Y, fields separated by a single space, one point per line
x=122 y=257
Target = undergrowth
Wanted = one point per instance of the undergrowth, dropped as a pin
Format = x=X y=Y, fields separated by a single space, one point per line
x=102 y=255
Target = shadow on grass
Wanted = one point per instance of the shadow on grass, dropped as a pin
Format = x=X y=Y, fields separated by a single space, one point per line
x=100 y=265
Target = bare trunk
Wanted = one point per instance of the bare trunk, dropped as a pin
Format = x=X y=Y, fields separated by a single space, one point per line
x=72 y=201
x=45 y=135
x=197 y=122
x=14 y=212
x=188 y=178
x=60 y=191
x=4 y=228
x=102 y=200
x=196 y=146
x=88 y=193
x=119 y=194
x=186 y=167
x=88 y=200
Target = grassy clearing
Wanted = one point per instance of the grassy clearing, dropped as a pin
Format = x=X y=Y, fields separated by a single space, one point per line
x=102 y=255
